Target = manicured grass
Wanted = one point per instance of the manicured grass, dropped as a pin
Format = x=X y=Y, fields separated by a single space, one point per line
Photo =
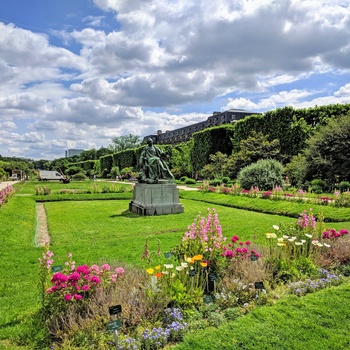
x=278 y=207
x=318 y=321
x=106 y=229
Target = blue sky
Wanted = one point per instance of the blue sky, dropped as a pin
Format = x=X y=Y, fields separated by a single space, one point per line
x=76 y=73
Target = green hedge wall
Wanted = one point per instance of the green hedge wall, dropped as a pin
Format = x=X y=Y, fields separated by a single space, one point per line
x=210 y=141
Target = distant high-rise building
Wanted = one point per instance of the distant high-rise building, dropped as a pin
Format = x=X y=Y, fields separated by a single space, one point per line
x=73 y=152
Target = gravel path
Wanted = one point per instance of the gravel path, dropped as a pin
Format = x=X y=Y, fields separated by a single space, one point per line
x=42 y=236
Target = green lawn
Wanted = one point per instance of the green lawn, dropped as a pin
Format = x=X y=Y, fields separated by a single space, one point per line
x=97 y=231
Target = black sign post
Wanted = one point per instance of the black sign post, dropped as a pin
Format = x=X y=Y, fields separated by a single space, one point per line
x=115 y=324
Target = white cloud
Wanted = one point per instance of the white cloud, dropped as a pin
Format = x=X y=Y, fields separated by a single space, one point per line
x=171 y=57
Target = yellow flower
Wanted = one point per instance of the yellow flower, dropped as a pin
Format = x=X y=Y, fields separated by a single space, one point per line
x=189 y=260
x=271 y=235
x=150 y=271
x=198 y=257
x=158 y=267
x=281 y=244
x=204 y=264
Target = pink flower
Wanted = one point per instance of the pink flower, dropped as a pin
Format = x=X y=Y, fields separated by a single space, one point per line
x=244 y=250
x=230 y=245
x=68 y=297
x=95 y=268
x=105 y=267
x=114 y=278
x=247 y=243
x=234 y=239
x=343 y=232
x=84 y=269
x=85 y=287
x=95 y=279
x=59 y=277
x=238 y=250
x=241 y=243
x=74 y=276
x=229 y=254
x=78 y=296
x=119 y=271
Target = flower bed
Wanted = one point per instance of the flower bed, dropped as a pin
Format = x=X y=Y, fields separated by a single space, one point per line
x=205 y=280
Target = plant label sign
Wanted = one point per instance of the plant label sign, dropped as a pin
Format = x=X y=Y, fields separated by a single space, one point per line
x=115 y=310
x=114 y=325
x=259 y=285
x=212 y=277
x=253 y=258
x=192 y=273
x=168 y=255
x=207 y=299
x=56 y=268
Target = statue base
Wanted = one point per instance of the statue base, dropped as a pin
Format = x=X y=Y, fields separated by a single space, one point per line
x=156 y=199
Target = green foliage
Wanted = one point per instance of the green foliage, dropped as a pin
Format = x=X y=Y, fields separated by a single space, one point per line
x=296 y=170
x=124 y=159
x=79 y=176
x=290 y=126
x=256 y=146
x=318 y=186
x=181 y=161
x=189 y=181
x=344 y=186
x=264 y=174
x=125 y=142
x=106 y=164
x=209 y=142
x=328 y=151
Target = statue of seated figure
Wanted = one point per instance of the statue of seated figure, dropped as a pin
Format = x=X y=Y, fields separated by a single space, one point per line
x=152 y=166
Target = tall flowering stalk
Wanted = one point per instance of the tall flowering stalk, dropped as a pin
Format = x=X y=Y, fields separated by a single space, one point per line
x=5 y=194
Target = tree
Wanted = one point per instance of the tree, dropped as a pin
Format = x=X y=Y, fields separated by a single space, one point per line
x=328 y=151
x=217 y=166
x=255 y=147
x=123 y=143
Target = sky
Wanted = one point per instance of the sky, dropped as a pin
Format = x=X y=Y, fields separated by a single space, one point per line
x=78 y=73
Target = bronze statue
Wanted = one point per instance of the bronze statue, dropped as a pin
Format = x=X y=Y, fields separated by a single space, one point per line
x=152 y=165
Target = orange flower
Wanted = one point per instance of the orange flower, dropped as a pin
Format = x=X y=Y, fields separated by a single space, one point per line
x=204 y=264
x=158 y=274
x=198 y=257
x=189 y=260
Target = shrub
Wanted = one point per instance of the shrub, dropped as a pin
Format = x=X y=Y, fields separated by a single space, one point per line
x=183 y=178
x=344 y=186
x=190 y=181
x=265 y=174
x=318 y=186
x=215 y=182
x=80 y=176
x=225 y=179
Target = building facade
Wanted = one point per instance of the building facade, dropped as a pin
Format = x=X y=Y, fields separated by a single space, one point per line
x=185 y=133
x=73 y=152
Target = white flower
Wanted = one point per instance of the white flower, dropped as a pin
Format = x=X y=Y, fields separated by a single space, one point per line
x=184 y=264
x=271 y=235
x=165 y=272
x=275 y=227
x=315 y=242
x=179 y=268
x=292 y=239
x=308 y=235
x=280 y=239
x=298 y=243
x=326 y=245
x=303 y=241
x=168 y=266
x=285 y=236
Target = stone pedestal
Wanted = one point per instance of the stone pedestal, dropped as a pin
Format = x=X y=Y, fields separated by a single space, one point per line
x=156 y=199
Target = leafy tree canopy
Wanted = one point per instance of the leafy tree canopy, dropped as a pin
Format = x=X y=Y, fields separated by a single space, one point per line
x=123 y=143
